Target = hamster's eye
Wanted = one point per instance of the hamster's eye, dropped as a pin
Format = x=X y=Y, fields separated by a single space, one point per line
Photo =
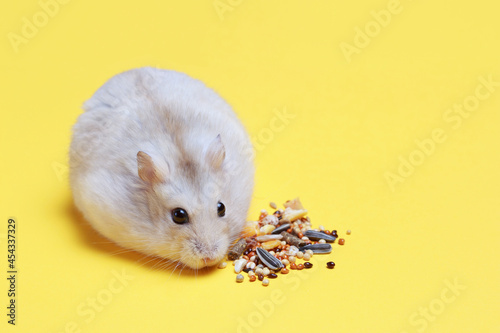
x=221 y=209
x=180 y=216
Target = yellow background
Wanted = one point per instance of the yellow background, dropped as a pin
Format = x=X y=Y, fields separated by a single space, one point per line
x=353 y=119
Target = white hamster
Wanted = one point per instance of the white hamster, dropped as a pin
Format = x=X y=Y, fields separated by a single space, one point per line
x=160 y=163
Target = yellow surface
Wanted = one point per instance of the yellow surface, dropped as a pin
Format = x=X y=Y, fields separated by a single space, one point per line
x=423 y=254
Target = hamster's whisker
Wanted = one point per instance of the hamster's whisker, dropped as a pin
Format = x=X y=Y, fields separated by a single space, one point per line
x=172 y=266
x=122 y=251
x=162 y=264
x=151 y=258
x=182 y=268
x=177 y=265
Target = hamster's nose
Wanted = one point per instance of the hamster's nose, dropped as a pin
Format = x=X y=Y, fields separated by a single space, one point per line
x=205 y=250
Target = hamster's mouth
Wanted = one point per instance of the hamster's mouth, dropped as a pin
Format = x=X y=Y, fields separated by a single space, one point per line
x=202 y=262
x=210 y=262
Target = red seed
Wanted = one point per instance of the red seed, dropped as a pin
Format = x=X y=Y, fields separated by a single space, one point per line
x=341 y=241
x=308 y=265
x=330 y=264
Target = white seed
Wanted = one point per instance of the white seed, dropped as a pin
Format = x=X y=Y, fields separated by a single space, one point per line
x=285 y=262
x=265 y=238
x=321 y=228
x=251 y=273
x=283 y=242
x=293 y=250
x=348 y=232
x=271 y=219
x=260 y=266
x=239 y=265
x=239 y=278
x=250 y=265
x=265 y=282
x=291 y=259
x=263 y=211
x=272 y=253
x=273 y=205
x=305 y=238
x=322 y=241
x=266 y=271
x=222 y=264
x=252 y=258
x=310 y=252
x=300 y=255
x=258 y=270
x=296 y=230
x=307 y=256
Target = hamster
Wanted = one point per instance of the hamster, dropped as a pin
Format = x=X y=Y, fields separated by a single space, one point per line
x=159 y=163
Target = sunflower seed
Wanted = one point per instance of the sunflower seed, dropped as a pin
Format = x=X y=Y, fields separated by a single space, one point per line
x=268 y=259
x=317 y=235
x=283 y=227
x=317 y=248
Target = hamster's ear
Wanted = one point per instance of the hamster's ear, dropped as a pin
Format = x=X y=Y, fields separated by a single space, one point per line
x=216 y=153
x=147 y=169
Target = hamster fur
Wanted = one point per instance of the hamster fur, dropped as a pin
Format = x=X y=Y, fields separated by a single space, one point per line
x=153 y=140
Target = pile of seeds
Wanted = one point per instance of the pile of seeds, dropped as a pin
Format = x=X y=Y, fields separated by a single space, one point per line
x=280 y=242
